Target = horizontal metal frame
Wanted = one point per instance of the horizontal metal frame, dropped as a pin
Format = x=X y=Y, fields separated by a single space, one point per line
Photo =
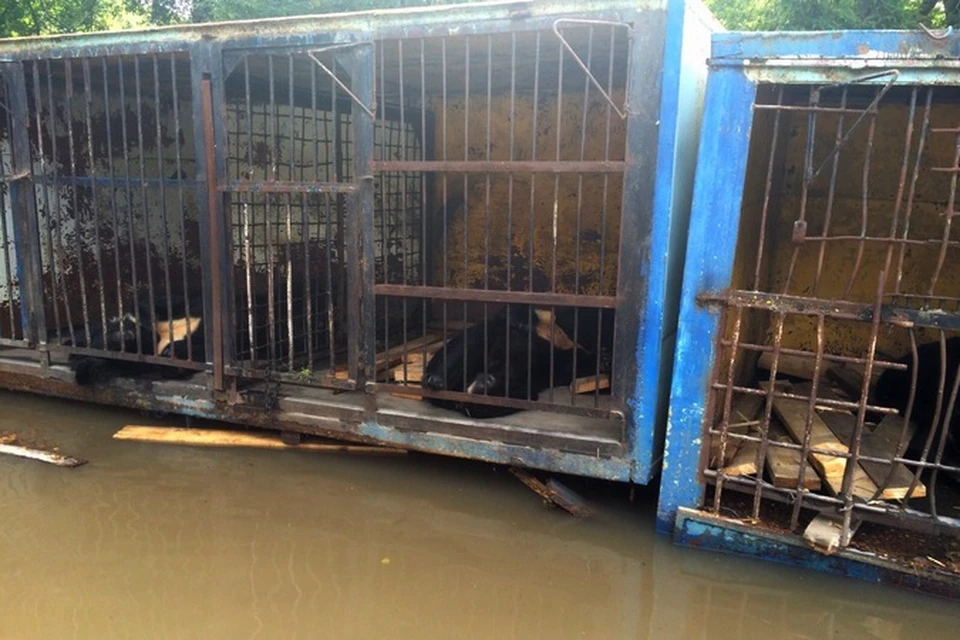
x=889 y=315
x=499 y=401
x=491 y=295
x=126 y=356
x=280 y=186
x=501 y=166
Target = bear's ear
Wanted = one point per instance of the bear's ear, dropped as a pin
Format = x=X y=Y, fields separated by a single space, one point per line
x=549 y=330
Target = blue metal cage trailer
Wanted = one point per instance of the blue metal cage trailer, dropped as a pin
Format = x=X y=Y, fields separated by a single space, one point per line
x=812 y=414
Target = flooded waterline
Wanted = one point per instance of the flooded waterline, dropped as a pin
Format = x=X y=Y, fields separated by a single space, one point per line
x=157 y=541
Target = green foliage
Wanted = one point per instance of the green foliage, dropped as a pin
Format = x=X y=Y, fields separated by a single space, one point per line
x=217 y=10
x=813 y=15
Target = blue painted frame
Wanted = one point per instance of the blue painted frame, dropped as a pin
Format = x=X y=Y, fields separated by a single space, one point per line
x=714 y=221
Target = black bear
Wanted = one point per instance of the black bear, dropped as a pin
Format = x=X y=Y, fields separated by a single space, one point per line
x=893 y=390
x=167 y=330
x=528 y=350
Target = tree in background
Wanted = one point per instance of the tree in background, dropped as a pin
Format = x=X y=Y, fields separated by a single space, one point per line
x=812 y=15
x=39 y=17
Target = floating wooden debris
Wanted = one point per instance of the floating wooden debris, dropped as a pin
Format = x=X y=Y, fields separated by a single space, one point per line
x=30 y=453
x=226 y=438
x=555 y=493
x=881 y=443
x=589 y=384
x=824 y=532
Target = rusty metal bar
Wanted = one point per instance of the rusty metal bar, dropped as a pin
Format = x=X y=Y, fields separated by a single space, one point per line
x=492 y=295
x=215 y=231
x=921 y=145
x=840 y=309
x=501 y=166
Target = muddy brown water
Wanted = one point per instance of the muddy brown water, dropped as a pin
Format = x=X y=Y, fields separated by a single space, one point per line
x=158 y=541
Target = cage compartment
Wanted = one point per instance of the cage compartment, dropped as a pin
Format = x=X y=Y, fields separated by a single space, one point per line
x=526 y=186
x=840 y=291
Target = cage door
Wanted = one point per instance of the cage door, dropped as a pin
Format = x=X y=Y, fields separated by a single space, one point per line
x=292 y=123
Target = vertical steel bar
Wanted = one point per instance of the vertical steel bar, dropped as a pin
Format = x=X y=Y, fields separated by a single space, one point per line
x=533 y=209
x=128 y=191
x=466 y=202
x=831 y=193
x=509 y=238
x=248 y=230
x=865 y=205
x=808 y=176
x=98 y=258
x=846 y=491
x=114 y=214
x=724 y=426
x=269 y=211
x=144 y=209
x=289 y=239
x=404 y=242
x=215 y=224
x=425 y=262
x=446 y=193
x=78 y=223
x=924 y=129
x=768 y=189
x=164 y=220
x=45 y=187
x=184 y=258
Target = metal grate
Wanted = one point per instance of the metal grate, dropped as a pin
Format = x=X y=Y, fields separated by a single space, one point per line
x=520 y=207
x=117 y=213
x=841 y=324
x=290 y=140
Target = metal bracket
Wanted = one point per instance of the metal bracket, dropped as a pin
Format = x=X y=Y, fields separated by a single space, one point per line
x=942 y=35
x=339 y=82
x=894 y=75
x=579 y=60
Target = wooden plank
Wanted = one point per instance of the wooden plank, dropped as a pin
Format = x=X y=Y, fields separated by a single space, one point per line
x=745 y=461
x=590 y=384
x=881 y=443
x=783 y=465
x=792 y=365
x=8 y=438
x=554 y=493
x=225 y=438
x=824 y=531
x=793 y=415
x=407 y=372
x=744 y=410
x=41 y=456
